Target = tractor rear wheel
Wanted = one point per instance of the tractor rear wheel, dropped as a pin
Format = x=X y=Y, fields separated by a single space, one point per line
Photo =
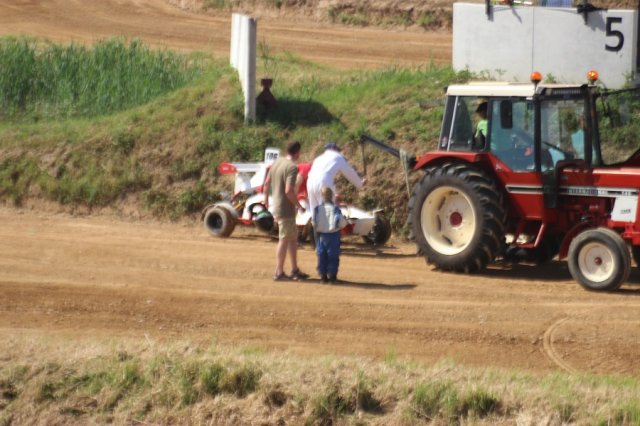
x=219 y=221
x=380 y=233
x=599 y=259
x=457 y=217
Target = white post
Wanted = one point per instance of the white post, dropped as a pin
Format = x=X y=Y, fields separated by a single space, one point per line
x=235 y=31
x=243 y=58
x=250 y=93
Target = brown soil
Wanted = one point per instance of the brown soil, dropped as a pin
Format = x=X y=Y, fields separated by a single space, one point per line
x=159 y=23
x=104 y=277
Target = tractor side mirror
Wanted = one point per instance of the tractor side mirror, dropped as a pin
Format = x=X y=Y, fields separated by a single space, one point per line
x=506 y=115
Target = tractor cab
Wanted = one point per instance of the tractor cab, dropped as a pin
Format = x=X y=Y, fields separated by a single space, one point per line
x=525 y=135
x=526 y=127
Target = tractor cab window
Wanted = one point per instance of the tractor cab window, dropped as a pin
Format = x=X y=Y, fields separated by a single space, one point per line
x=460 y=125
x=512 y=128
x=562 y=131
x=619 y=125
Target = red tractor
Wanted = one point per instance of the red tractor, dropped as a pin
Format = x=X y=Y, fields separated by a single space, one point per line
x=528 y=172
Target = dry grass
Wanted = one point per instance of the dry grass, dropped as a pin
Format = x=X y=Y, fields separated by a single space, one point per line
x=63 y=380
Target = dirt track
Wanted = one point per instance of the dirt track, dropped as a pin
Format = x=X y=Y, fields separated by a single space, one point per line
x=79 y=276
x=102 y=277
x=159 y=23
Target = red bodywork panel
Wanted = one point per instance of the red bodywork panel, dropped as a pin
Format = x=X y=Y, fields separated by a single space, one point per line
x=583 y=197
x=227 y=169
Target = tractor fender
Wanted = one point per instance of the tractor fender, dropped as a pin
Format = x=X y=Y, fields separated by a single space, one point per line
x=436 y=158
x=225 y=204
x=569 y=236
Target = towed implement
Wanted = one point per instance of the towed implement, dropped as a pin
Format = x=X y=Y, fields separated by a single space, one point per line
x=246 y=207
x=528 y=172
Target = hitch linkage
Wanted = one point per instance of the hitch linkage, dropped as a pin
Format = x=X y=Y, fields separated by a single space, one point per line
x=411 y=159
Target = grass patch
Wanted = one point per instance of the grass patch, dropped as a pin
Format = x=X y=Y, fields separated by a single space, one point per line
x=330 y=405
x=566 y=411
x=442 y=400
x=210 y=377
x=44 y=80
x=427 y=20
x=17 y=174
x=221 y=385
x=357 y=19
x=478 y=403
x=365 y=398
x=216 y=5
x=241 y=381
x=434 y=400
x=628 y=414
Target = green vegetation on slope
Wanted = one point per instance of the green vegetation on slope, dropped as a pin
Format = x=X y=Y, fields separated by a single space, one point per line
x=152 y=383
x=54 y=81
x=162 y=156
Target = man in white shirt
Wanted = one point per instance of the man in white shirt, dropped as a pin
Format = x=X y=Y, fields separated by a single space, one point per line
x=323 y=173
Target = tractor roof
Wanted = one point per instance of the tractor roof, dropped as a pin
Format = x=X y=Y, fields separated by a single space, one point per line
x=500 y=89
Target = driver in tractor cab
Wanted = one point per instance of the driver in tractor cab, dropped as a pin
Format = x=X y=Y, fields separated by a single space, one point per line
x=480 y=135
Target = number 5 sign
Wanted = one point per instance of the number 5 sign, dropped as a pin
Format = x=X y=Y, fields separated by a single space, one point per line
x=514 y=41
x=616 y=34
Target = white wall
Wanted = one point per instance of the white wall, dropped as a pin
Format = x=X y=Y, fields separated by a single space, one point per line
x=514 y=41
x=243 y=58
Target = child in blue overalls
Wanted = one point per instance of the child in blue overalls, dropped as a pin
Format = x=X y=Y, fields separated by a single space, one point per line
x=327 y=223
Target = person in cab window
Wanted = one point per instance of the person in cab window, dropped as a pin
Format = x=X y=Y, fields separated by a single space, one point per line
x=480 y=135
x=577 y=137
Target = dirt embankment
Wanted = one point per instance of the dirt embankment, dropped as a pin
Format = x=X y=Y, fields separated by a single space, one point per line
x=161 y=24
x=421 y=14
x=414 y=15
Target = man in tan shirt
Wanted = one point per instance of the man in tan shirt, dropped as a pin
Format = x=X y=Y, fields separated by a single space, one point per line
x=282 y=183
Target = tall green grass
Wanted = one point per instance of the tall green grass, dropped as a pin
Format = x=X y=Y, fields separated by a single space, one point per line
x=50 y=81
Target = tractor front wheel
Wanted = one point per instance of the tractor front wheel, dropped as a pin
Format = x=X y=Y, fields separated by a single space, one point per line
x=599 y=259
x=456 y=214
x=219 y=221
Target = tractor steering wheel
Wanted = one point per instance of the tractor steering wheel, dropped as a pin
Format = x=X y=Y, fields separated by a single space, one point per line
x=567 y=155
x=522 y=140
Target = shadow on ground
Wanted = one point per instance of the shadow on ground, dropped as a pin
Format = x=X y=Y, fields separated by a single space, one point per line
x=363 y=285
x=367 y=250
x=556 y=271
x=293 y=112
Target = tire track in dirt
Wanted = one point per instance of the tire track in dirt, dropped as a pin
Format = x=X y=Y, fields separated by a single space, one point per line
x=549 y=350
